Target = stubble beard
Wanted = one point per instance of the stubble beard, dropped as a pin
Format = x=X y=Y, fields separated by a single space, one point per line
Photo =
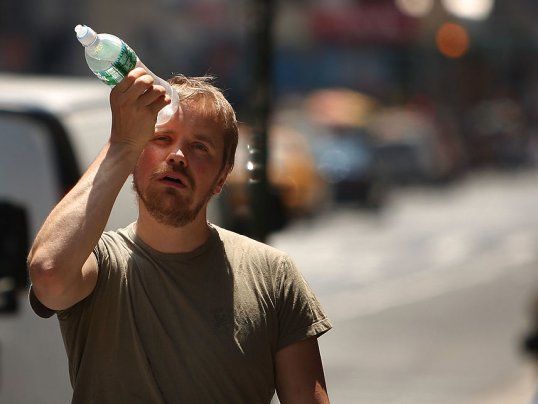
x=167 y=206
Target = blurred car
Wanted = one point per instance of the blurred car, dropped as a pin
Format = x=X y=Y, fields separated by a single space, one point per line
x=295 y=187
x=346 y=160
x=412 y=147
x=292 y=170
x=345 y=153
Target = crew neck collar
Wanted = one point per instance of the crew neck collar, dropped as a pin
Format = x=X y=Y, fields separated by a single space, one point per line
x=182 y=256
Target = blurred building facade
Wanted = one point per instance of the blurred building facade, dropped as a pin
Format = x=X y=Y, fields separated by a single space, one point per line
x=369 y=46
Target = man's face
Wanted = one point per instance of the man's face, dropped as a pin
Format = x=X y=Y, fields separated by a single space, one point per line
x=180 y=168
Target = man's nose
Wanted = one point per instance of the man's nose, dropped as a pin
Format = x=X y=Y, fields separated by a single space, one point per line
x=177 y=158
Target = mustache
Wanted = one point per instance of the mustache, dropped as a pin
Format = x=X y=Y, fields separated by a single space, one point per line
x=176 y=169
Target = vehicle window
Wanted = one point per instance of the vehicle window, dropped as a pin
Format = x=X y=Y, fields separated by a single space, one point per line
x=89 y=130
x=27 y=170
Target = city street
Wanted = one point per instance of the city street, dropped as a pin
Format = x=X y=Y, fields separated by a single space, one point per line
x=431 y=285
x=429 y=299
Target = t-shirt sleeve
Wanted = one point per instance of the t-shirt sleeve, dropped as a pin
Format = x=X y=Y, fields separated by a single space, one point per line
x=43 y=311
x=102 y=256
x=300 y=314
x=39 y=308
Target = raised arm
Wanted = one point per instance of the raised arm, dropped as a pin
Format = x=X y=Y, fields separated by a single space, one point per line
x=61 y=265
x=299 y=374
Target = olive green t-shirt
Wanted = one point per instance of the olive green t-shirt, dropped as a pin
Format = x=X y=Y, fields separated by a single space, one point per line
x=196 y=327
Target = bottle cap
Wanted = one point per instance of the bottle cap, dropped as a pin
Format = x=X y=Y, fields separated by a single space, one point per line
x=85 y=35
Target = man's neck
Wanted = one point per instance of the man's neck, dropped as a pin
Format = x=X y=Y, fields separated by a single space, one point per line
x=169 y=239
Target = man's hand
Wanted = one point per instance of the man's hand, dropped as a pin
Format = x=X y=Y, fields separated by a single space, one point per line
x=135 y=103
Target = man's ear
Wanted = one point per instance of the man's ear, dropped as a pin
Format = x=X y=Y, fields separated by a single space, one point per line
x=222 y=180
x=218 y=186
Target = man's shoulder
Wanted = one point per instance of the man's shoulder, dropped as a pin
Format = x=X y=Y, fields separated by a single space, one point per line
x=228 y=236
x=115 y=242
x=237 y=243
x=119 y=235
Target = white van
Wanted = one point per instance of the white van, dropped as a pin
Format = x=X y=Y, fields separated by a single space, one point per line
x=51 y=129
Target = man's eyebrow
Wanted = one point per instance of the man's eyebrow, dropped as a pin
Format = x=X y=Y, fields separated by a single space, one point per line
x=205 y=138
x=163 y=132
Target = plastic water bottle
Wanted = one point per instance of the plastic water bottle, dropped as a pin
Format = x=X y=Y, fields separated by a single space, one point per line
x=111 y=59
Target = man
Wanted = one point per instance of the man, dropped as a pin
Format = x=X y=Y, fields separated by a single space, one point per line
x=172 y=309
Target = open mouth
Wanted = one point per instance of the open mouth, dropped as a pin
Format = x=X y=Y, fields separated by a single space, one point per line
x=173 y=181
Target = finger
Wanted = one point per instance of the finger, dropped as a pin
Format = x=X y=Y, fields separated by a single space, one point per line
x=140 y=86
x=129 y=79
x=151 y=95
x=159 y=103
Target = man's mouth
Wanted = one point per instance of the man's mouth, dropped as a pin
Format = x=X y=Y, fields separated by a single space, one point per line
x=176 y=182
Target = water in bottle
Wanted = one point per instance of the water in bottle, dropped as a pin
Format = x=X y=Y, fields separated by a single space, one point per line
x=111 y=59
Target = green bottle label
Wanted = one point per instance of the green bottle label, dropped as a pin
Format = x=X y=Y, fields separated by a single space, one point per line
x=125 y=62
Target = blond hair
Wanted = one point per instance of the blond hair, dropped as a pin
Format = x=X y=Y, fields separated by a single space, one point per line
x=210 y=101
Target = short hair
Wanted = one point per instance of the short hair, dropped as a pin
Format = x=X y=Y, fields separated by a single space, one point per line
x=210 y=101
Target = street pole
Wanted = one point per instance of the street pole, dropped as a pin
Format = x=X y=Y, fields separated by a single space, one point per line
x=261 y=96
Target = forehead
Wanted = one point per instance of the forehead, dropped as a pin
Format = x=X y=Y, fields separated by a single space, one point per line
x=198 y=122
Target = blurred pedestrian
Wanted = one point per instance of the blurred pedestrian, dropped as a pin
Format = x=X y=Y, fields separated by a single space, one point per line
x=172 y=308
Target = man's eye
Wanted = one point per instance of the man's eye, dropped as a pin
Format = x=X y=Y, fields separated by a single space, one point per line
x=200 y=146
x=161 y=138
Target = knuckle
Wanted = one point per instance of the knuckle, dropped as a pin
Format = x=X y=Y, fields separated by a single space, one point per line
x=148 y=79
x=135 y=73
x=143 y=81
x=138 y=71
x=160 y=89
